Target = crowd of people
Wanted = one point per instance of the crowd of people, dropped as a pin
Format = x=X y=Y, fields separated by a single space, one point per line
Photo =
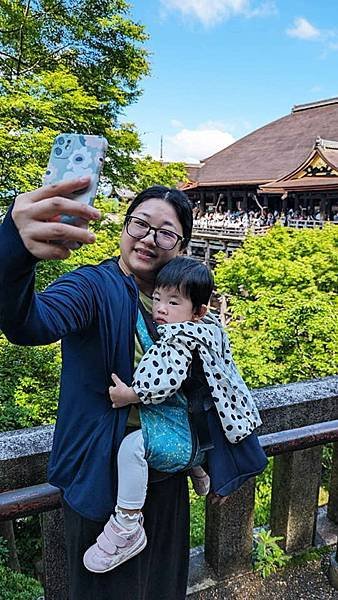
x=234 y=219
x=241 y=219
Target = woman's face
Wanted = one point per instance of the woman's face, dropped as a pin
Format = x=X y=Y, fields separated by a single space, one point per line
x=142 y=257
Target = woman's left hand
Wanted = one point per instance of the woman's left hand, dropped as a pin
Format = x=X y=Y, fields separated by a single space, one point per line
x=121 y=394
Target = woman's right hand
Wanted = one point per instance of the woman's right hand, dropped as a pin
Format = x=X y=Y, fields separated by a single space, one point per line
x=35 y=216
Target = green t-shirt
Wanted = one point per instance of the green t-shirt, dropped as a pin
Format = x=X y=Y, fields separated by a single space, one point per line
x=134 y=418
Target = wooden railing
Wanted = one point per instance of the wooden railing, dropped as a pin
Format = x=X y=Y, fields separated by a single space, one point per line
x=305 y=224
x=228 y=230
x=297 y=420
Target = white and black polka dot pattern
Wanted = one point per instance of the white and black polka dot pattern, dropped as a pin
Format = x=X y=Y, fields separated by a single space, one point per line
x=164 y=367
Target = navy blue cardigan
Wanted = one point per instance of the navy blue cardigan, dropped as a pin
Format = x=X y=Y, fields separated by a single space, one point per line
x=93 y=311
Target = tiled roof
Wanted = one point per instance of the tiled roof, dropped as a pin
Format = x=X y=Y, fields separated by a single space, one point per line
x=273 y=150
x=307 y=183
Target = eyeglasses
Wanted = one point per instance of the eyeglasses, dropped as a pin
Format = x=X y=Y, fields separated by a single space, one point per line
x=139 y=229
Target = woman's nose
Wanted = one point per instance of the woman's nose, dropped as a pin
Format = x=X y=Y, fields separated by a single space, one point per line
x=150 y=237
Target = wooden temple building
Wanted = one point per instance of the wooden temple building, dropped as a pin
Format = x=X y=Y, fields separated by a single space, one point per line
x=291 y=163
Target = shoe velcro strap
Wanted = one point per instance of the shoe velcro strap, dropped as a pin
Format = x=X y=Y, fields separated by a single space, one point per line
x=104 y=544
x=109 y=541
x=114 y=538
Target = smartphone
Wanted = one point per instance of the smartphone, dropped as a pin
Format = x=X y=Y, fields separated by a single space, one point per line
x=75 y=155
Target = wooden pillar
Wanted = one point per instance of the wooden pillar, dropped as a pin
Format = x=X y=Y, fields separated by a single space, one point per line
x=311 y=205
x=207 y=252
x=244 y=203
x=229 y=199
x=322 y=207
x=202 y=202
x=214 y=199
x=330 y=202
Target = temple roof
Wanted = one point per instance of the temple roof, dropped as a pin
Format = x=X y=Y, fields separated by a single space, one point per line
x=319 y=171
x=274 y=150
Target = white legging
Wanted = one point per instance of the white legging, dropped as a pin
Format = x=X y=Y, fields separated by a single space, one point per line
x=132 y=472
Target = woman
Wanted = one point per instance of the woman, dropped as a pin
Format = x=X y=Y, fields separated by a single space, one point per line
x=93 y=310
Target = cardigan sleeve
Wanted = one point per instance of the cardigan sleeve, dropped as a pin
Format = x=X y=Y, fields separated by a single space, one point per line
x=30 y=318
x=163 y=369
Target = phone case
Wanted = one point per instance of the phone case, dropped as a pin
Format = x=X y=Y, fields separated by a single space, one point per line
x=75 y=155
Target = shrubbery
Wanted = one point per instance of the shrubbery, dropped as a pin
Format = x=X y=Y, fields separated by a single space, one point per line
x=14 y=585
x=282 y=296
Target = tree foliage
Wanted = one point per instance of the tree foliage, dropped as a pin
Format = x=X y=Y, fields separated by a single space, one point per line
x=150 y=172
x=282 y=294
x=66 y=66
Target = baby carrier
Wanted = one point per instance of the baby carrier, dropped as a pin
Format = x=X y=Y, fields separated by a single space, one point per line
x=229 y=465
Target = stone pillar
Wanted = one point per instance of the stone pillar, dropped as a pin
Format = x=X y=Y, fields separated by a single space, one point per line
x=229 y=532
x=332 y=506
x=333 y=569
x=54 y=555
x=294 y=502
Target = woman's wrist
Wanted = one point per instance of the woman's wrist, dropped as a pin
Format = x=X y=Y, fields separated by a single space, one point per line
x=133 y=397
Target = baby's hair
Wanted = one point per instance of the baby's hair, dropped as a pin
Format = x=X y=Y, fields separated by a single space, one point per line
x=190 y=277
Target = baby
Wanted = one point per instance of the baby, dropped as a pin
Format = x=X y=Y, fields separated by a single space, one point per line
x=164 y=442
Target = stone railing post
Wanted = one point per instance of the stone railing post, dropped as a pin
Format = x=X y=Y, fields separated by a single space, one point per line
x=294 y=501
x=229 y=532
x=332 y=506
x=333 y=569
x=54 y=556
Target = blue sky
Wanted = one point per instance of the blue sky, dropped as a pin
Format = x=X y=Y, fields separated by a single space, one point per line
x=223 y=68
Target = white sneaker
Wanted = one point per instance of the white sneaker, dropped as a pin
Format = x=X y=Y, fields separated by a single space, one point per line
x=114 y=546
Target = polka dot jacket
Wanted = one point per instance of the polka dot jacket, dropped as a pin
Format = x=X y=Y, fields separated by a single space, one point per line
x=164 y=367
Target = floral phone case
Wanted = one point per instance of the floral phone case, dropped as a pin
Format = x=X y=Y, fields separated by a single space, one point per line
x=75 y=155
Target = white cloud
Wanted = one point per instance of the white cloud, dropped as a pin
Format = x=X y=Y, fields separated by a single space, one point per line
x=304 y=30
x=193 y=145
x=176 y=123
x=210 y=12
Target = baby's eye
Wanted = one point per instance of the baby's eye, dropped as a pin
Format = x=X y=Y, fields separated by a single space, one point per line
x=173 y=302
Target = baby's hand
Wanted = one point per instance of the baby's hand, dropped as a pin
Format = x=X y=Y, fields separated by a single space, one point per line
x=120 y=394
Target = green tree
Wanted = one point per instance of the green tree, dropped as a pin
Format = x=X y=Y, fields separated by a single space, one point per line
x=282 y=294
x=66 y=66
x=94 y=39
x=150 y=172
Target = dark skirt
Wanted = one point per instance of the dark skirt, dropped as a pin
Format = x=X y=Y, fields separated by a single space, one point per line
x=159 y=572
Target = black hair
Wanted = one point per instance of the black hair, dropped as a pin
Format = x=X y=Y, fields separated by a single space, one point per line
x=190 y=277
x=178 y=200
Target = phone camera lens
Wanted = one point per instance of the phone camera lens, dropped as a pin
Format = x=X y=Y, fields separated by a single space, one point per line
x=61 y=140
x=58 y=151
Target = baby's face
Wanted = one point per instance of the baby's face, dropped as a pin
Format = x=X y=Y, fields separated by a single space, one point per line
x=169 y=306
